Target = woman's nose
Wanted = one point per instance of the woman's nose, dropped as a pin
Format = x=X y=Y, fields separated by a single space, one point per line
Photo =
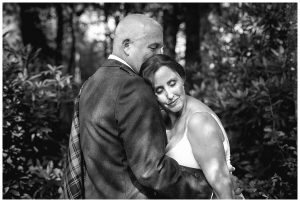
x=169 y=94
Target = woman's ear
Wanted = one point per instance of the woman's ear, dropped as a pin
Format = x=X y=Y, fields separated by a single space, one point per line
x=126 y=46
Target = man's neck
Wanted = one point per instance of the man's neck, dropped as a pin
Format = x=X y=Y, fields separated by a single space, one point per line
x=114 y=57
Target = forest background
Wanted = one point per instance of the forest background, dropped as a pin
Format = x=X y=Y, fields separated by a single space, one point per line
x=240 y=58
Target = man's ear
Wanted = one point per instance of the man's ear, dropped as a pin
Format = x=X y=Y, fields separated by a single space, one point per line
x=126 y=46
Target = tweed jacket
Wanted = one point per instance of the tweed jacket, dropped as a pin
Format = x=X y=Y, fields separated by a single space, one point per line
x=123 y=140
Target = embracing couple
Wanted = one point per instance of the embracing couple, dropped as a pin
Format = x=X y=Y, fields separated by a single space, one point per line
x=139 y=134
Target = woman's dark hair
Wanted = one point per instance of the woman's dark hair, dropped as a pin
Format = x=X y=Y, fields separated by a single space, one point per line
x=152 y=64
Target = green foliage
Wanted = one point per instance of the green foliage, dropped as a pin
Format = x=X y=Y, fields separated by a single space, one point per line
x=246 y=78
x=32 y=147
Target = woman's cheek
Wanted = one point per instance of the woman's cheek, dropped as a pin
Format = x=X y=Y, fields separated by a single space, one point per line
x=182 y=91
x=161 y=100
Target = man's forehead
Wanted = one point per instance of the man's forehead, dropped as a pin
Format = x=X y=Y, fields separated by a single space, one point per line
x=155 y=37
x=151 y=39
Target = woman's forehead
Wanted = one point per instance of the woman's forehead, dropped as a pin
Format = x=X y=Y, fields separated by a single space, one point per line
x=164 y=74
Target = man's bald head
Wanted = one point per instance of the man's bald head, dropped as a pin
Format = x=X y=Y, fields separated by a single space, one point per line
x=137 y=37
x=133 y=26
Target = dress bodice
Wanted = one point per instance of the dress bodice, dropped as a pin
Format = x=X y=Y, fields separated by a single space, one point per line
x=182 y=151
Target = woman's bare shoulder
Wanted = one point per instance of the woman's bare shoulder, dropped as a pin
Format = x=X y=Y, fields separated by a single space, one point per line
x=202 y=120
x=196 y=105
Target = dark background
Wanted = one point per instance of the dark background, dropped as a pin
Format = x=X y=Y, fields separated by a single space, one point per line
x=240 y=58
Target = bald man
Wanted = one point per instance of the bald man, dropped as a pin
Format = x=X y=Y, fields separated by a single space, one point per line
x=122 y=135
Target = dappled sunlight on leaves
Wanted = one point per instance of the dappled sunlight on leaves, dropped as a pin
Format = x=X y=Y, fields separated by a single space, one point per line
x=31 y=102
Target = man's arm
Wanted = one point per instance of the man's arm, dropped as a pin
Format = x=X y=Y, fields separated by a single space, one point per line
x=142 y=131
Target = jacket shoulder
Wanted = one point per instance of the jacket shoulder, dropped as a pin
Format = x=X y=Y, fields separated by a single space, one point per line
x=128 y=71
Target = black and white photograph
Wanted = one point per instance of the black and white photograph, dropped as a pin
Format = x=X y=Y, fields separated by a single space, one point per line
x=149 y=100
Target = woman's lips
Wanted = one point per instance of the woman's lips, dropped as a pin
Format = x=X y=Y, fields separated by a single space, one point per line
x=172 y=103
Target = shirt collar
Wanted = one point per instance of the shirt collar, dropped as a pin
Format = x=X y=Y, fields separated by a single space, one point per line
x=113 y=57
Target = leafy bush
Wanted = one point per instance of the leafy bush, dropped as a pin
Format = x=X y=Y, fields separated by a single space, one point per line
x=32 y=145
x=247 y=79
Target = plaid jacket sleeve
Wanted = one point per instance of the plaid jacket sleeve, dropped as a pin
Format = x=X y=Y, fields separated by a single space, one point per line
x=73 y=175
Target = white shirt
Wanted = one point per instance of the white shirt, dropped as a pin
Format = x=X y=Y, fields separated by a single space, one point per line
x=113 y=57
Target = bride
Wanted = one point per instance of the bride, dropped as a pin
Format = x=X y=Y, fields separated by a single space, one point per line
x=196 y=137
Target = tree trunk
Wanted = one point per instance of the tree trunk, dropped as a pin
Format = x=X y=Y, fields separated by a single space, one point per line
x=291 y=62
x=107 y=40
x=197 y=25
x=59 y=35
x=71 y=66
x=32 y=32
x=192 y=23
x=204 y=27
x=170 y=26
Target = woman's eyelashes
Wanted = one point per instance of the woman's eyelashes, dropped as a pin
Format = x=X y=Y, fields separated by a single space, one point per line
x=159 y=90
x=170 y=83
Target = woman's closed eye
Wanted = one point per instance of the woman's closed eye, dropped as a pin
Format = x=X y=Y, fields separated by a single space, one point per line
x=172 y=83
x=158 y=90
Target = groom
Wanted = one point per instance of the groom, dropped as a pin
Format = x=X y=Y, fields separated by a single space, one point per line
x=122 y=137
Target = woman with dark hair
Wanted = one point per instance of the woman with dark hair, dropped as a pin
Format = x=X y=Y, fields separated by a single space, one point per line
x=196 y=137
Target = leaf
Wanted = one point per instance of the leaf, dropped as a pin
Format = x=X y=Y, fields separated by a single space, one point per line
x=9 y=161
x=275 y=52
x=268 y=108
x=35 y=149
x=60 y=190
x=6 y=189
x=49 y=167
x=35 y=76
x=268 y=129
x=235 y=94
x=281 y=50
x=291 y=148
x=36 y=53
x=14 y=192
x=52 y=68
x=265 y=61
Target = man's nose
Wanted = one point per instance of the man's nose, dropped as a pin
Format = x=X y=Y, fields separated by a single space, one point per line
x=159 y=50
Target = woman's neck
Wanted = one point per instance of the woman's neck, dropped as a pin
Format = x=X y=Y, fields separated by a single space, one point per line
x=175 y=117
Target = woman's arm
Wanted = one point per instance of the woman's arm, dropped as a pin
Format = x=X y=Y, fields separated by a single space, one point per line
x=205 y=137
